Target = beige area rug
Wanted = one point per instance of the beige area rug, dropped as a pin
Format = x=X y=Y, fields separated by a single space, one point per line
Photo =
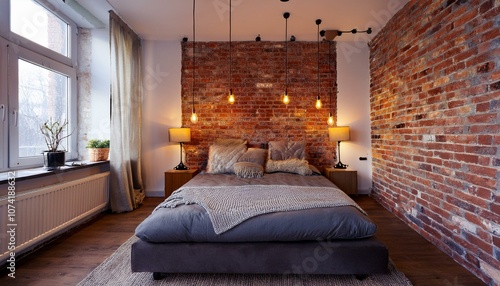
x=115 y=270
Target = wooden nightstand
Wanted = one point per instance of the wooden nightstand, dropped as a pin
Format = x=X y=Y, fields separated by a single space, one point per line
x=345 y=179
x=174 y=179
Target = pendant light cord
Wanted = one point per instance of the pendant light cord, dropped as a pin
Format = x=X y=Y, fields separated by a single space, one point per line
x=330 y=73
x=230 y=48
x=318 y=22
x=286 y=55
x=194 y=51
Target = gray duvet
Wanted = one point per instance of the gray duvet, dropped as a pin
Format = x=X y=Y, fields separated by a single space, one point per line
x=192 y=222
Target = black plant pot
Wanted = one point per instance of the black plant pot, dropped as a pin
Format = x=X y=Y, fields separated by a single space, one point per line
x=53 y=160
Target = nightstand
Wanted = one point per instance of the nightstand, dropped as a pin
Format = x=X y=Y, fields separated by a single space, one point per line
x=345 y=179
x=174 y=179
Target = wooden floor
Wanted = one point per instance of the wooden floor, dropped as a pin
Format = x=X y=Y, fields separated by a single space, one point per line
x=68 y=259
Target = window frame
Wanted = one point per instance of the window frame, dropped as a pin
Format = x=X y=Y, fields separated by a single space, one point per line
x=13 y=47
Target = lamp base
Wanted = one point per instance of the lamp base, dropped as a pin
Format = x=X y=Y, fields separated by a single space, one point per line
x=340 y=165
x=181 y=166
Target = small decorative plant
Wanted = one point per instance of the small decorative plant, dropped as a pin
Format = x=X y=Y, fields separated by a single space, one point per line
x=96 y=143
x=98 y=150
x=53 y=132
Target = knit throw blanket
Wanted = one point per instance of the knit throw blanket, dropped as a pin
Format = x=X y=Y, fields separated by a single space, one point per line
x=228 y=206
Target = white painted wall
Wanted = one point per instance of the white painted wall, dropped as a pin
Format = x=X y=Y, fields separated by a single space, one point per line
x=162 y=109
x=353 y=108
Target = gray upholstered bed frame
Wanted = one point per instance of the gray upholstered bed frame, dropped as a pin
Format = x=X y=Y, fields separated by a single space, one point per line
x=359 y=257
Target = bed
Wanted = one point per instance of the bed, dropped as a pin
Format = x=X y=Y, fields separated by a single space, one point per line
x=261 y=212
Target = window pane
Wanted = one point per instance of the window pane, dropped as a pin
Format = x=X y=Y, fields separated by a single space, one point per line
x=43 y=94
x=32 y=21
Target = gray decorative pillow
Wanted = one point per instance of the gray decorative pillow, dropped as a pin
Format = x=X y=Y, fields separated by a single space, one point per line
x=222 y=158
x=283 y=150
x=254 y=155
x=248 y=170
x=295 y=166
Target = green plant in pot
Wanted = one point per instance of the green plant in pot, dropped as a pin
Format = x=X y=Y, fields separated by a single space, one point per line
x=53 y=132
x=98 y=150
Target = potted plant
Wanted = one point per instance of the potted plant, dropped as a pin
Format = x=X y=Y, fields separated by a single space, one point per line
x=53 y=132
x=98 y=150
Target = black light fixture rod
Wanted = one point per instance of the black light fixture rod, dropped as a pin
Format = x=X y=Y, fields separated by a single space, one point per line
x=354 y=31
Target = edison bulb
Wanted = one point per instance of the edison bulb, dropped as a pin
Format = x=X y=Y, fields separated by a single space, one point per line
x=286 y=99
x=318 y=103
x=330 y=120
x=194 y=117
x=231 y=98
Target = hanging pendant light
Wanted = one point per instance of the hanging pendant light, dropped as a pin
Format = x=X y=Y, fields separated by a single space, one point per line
x=318 y=99
x=231 y=99
x=194 y=116
x=286 y=98
x=330 y=120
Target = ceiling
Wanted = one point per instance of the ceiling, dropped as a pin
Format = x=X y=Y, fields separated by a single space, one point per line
x=173 y=20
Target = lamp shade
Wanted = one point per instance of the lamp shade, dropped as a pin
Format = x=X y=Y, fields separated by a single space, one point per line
x=339 y=133
x=179 y=135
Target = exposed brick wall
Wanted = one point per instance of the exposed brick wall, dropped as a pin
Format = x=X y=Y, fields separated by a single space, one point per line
x=258 y=115
x=435 y=113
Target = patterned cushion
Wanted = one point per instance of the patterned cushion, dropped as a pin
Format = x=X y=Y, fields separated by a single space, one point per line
x=294 y=165
x=254 y=155
x=283 y=150
x=222 y=158
x=248 y=170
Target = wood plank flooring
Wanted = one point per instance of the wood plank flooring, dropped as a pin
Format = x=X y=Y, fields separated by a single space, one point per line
x=68 y=259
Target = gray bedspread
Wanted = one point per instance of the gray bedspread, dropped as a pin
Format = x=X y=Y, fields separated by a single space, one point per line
x=317 y=221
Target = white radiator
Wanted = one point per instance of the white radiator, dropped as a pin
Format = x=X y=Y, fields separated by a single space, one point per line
x=47 y=211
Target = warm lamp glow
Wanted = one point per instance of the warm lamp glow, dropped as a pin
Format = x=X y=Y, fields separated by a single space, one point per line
x=180 y=135
x=318 y=103
x=330 y=120
x=286 y=99
x=194 y=117
x=231 y=98
x=340 y=133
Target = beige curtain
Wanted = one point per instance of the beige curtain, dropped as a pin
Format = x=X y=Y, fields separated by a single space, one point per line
x=126 y=187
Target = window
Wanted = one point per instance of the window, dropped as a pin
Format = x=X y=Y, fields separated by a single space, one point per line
x=38 y=81
x=32 y=21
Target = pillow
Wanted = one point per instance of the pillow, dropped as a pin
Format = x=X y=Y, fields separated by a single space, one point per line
x=314 y=170
x=248 y=170
x=283 y=150
x=294 y=165
x=229 y=142
x=222 y=158
x=254 y=155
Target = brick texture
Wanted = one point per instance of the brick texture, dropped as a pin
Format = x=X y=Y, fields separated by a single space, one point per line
x=435 y=113
x=258 y=81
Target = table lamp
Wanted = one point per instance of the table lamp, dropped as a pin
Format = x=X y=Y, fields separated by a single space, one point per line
x=180 y=135
x=339 y=133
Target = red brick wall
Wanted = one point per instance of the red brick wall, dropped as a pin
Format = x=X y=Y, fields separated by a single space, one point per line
x=435 y=113
x=258 y=82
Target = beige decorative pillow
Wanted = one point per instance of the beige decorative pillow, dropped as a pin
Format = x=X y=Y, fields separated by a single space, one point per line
x=248 y=170
x=283 y=150
x=222 y=158
x=295 y=166
x=254 y=155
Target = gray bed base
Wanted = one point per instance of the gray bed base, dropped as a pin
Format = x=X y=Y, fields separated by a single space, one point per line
x=358 y=257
